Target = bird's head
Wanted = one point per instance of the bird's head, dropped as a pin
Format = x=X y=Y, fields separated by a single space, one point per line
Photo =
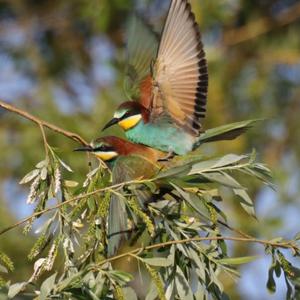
x=103 y=148
x=127 y=115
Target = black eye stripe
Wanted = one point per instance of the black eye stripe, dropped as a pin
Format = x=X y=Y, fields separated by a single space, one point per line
x=130 y=113
x=127 y=114
x=104 y=148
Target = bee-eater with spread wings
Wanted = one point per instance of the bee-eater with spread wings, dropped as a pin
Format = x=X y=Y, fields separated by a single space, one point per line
x=127 y=162
x=169 y=82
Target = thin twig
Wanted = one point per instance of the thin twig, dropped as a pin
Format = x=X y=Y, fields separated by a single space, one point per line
x=71 y=135
x=284 y=245
x=44 y=140
x=46 y=210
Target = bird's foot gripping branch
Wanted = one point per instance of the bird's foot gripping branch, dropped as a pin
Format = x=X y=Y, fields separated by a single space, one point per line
x=174 y=234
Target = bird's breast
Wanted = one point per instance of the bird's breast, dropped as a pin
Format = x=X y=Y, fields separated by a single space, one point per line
x=164 y=136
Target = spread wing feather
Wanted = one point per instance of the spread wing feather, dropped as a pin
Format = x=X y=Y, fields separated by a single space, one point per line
x=141 y=50
x=180 y=78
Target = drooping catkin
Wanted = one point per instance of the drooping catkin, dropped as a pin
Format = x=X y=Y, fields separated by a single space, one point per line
x=52 y=254
x=2 y=282
x=38 y=246
x=136 y=209
x=6 y=261
x=118 y=293
x=157 y=281
x=39 y=268
x=57 y=179
x=28 y=226
x=33 y=190
x=103 y=205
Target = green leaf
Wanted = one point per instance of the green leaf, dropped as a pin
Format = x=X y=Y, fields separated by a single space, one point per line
x=246 y=201
x=297 y=237
x=223 y=247
x=120 y=276
x=70 y=183
x=151 y=186
x=156 y=278
x=237 y=260
x=129 y=293
x=195 y=202
x=158 y=261
x=65 y=165
x=42 y=164
x=91 y=204
x=30 y=176
x=173 y=172
x=100 y=281
x=44 y=173
x=152 y=292
x=261 y=172
x=277 y=269
x=203 y=166
x=271 y=284
x=92 y=295
x=183 y=287
x=72 y=281
x=200 y=266
x=229 y=159
x=227 y=132
x=289 y=290
x=222 y=178
x=210 y=165
x=89 y=280
x=15 y=289
x=47 y=286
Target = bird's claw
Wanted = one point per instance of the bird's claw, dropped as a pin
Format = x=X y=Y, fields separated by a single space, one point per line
x=169 y=156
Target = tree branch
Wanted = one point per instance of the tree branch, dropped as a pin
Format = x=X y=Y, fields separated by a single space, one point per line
x=284 y=245
x=71 y=135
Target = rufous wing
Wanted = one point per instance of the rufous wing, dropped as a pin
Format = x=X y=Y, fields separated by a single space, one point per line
x=180 y=78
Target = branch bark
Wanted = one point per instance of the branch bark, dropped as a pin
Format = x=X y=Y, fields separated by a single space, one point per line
x=71 y=135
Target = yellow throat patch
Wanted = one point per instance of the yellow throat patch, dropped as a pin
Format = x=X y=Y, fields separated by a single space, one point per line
x=130 y=122
x=106 y=155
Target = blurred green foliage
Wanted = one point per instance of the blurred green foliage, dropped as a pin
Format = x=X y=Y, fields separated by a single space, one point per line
x=62 y=61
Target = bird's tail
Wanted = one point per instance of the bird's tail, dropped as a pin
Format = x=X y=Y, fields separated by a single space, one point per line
x=117 y=221
x=117 y=224
x=225 y=132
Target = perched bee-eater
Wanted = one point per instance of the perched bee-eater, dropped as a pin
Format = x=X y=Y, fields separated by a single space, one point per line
x=169 y=83
x=127 y=162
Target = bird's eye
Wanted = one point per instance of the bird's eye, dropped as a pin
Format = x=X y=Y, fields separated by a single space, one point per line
x=104 y=148
x=126 y=115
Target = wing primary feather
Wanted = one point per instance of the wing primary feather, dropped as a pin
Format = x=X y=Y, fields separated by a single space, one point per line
x=180 y=75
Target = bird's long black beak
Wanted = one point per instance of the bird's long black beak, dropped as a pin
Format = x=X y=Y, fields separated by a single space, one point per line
x=112 y=122
x=85 y=149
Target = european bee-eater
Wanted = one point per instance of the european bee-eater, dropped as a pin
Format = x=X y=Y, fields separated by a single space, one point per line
x=127 y=162
x=170 y=83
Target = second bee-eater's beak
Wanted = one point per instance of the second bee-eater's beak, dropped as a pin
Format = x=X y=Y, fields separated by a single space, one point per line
x=112 y=122
x=85 y=149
